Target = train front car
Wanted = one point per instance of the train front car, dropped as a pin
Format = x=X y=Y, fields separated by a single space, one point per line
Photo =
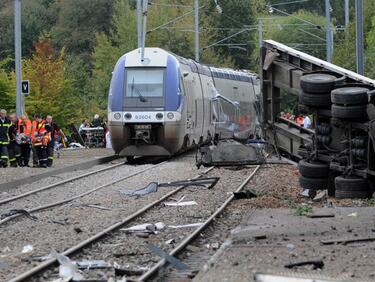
x=144 y=109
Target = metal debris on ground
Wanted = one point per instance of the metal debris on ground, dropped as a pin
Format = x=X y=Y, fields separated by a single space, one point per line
x=92 y=264
x=320 y=215
x=145 y=228
x=207 y=182
x=294 y=277
x=181 y=203
x=345 y=241
x=67 y=268
x=185 y=226
x=320 y=196
x=27 y=249
x=228 y=152
x=150 y=188
x=128 y=271
x=317 y=264
x=172 y=260
x=16 y=212
x=170 y=241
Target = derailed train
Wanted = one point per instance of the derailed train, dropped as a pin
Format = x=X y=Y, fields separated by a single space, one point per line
x=164 y=104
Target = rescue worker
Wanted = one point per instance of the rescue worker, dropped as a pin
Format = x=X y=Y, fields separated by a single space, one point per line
x=14 y=147
x=54 y=131
x=97 y=122
x=5 y=125
x=24 y=131
x=40 y=138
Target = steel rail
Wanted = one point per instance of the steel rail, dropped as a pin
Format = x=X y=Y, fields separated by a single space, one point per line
x=101 y=234
x=13 y=198
x=78 y=196
x=190 y=237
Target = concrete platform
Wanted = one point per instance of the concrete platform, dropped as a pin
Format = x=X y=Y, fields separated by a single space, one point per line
x=268 y=239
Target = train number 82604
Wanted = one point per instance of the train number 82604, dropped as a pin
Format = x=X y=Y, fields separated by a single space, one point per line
x=142 y=117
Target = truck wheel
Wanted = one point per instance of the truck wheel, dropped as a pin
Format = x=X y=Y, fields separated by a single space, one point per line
x=318 y=83
x=351 y=183
x=349 y=96
x=351 y=187
x=315 y=100
x=349 y=112
x=313 y=169
x=313 y=183
x=351 y=194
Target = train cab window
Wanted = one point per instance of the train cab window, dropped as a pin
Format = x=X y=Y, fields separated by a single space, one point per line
x=145 y=82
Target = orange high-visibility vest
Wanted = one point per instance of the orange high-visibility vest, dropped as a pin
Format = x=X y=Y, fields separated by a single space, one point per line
x=39 y=135
x=24 y=126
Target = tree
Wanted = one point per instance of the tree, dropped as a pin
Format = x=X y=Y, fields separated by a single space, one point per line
x=38 y=16
x=236 y=17
x=7 y=88
x=297 y=34
x=77 y=24
x=123 y=38
x=51 y=91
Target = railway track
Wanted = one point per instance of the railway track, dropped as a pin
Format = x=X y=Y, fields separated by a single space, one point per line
x=137 y=161
x=28 y=212
x=97 y=246
x=10 y=185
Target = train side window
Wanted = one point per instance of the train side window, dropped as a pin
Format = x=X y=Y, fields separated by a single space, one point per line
x=181 y=87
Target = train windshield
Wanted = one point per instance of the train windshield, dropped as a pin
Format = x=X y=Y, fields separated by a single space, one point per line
x=145 y=82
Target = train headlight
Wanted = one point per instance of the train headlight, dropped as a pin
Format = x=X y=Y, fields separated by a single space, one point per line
x=159 y=115
x=170 y=115
x=128 y=116
x=117 y=115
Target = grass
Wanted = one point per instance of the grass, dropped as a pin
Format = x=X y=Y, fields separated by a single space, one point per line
x=303 y=210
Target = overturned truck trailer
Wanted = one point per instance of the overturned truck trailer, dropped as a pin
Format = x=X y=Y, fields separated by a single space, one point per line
x=338 y=151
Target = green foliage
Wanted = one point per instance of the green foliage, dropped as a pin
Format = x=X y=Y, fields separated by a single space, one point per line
x=77 y=24
x=293 y=32
x=236 y=15
x=344 y=51
x=303 y=210
x=7 y=90
x=38 y=16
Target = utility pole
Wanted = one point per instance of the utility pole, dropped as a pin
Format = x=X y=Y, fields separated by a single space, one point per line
x=139 y=23
x=359 y=36
x=20 y=104
x=347 y=15
x=144 y=31
x=260 y=32
x=328 y=31
x=196 y=29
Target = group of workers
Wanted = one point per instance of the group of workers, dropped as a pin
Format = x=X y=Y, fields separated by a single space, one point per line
x=19 y=136
x=303 y=121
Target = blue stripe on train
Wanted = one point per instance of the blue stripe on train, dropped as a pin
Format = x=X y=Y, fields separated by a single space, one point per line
x=172 y=80
x=116 y=101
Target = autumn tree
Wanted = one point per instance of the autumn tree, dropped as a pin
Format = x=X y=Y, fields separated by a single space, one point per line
x=51 y=91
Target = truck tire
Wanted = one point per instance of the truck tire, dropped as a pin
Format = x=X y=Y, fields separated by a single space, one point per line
x=351 y=183
x=349 y=112
x=350 y=96
x=313 y=169
x=352 y=194
x=315 y=100
x=318 y=83
x=313 y=183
